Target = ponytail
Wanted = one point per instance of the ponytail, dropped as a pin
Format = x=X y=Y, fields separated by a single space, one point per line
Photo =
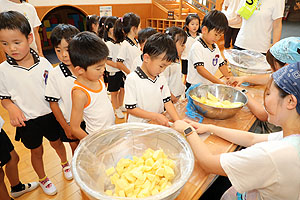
x=101 y=26
x=124 y=24
x=108 y=24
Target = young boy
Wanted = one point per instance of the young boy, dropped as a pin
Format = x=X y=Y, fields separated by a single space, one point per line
x=90 y=102
x=143 y=35
x=146 y=92
x=64 y=74
x=205 y=58
x=22 y=92
x=10 y=158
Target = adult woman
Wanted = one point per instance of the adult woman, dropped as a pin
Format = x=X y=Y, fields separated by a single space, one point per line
x=270 y=167
x=255 y=33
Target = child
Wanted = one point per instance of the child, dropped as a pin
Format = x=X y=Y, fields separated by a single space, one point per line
x=64 y=74
x=10 y=159
x=143 y=35
x=126 y=29
x=92 y=23
x=146 y=92
x=115 y=76
x=230 y=10
x=22 y=92
x=173 y=72
x=205 y=57
x=192 y=27
x=29 y=12
x=101 y=26
x=266 y=169
x=90 y=102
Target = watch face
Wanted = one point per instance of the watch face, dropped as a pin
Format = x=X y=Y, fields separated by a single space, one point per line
x=187 y=131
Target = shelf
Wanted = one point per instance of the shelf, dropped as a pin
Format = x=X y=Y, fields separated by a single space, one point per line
x=161 y=24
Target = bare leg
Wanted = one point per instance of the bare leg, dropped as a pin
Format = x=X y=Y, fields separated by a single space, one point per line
x=3 y=191
x=11 y=169
x=37 y=161
x=121 y=96
x=73 y=146
x=114 y=100
x=60 y=150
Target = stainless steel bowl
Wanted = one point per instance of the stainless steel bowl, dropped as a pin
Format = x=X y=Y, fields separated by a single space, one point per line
x=223 y=92
x=103 y=150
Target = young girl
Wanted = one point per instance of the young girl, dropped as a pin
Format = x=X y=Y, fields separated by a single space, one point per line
x=115 y=76
x=192 y=27
x=126 y=29
x=92 y=23
x=281 y=53
x=101 y=26
x=270 y=167
x=173 y=72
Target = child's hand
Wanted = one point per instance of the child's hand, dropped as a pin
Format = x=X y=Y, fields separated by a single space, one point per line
x=68 y=132
x=235 y=81
x=174 y=99
x=161 y=119
x=17 y=118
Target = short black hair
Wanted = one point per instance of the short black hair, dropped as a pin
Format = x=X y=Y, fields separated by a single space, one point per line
x=108 y=24
x=160 y=43
x=86 y=49
x=63 y=31
x=176 y=34
x=13 y=20
x=145 y=33
x=90 y=20
x=123 y=25
x=189 y=18
x=215 y=20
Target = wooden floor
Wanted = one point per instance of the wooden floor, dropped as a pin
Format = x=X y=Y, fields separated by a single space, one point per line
x=67 y=190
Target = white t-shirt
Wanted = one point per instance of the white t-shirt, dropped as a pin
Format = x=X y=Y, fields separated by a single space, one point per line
x=201 y=55
x=58 y=77
x=189 y=42
x=231 y=12
x=98 y=114
x=255 y=33
x=27 y=10
x=173 y=76
x=1 y=123
x=272 y=169
x=26 y=86
x=145 y=93
x=128 y=52
x=114 y=49
x=138 y=61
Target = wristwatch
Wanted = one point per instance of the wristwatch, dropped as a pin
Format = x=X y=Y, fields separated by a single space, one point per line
x=188 y=131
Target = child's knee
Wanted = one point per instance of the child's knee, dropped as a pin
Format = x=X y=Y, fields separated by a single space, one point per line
x=37 y=152
x=57 y=144
x=14 y=158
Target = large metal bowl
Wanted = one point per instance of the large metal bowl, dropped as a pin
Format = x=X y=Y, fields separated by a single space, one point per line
x=100 y=151
x=223 y=92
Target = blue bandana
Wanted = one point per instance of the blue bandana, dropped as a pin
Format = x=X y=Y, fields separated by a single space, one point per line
x=288 y=79
x=287 y=50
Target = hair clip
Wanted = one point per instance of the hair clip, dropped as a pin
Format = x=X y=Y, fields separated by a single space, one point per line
x=106 y=26
x=121 y=18
x=102 y=24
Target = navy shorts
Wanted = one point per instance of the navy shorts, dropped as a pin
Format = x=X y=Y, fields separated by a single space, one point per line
x=63 y=136
x=184 y=67
x=5 y=148
x=32 y=134
x=116 y=81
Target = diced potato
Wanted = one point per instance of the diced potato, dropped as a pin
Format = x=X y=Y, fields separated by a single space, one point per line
x=211 y=100
x=141 y=176
x=109 y=192
x=110 y=171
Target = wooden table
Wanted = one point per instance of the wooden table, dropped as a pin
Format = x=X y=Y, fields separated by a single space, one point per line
x=243 y=120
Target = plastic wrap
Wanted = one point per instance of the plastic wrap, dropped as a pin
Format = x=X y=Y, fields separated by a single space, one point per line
x=103 y=150
x=245 y=62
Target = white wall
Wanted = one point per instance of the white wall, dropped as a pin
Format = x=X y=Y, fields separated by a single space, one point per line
x=85 y=2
